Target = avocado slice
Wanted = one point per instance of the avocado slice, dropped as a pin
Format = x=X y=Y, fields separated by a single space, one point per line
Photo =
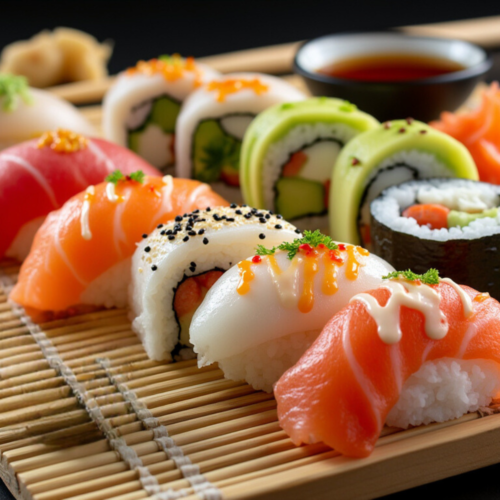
x=274 y=124
x=298 y=197
x=164 y=114
x=462 y=219
x=216 y=154
x=384 y=156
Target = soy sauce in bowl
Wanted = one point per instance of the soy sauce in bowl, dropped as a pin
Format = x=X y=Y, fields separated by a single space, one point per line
x=390 y=67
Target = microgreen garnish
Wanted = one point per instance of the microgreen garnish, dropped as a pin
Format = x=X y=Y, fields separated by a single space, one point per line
x=12 y=87
x=312 y=238
x=431 y=277
x=117 y=176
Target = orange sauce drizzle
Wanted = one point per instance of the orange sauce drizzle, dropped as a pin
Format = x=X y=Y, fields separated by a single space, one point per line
x=63 y=141
x=246 y=276
x=271 y=259
x=481 y=297
x=353 y=264
x=306 y=301
x=171 y=68
x=232 y=86
x=329 y=285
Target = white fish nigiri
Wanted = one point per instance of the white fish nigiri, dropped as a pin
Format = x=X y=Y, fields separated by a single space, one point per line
x=263 y=314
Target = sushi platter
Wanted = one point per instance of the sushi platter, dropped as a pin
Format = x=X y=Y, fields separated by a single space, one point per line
x=179 y=379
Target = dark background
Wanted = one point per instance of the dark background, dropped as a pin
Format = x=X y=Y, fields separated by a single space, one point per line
x=145 y=29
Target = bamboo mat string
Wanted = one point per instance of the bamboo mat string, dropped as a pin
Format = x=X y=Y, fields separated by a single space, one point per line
x=116 y=442
x=201 y=485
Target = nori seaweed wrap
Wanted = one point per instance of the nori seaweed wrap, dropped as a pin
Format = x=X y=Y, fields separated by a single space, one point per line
x=466 y=251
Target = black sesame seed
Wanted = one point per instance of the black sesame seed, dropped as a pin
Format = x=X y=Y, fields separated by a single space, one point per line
x=216 y=217
x=197 y=211
x=230 y=219
x=192 y=269
x=268 y=216
x=192 y=264
x=254 y=210
x=205 y=241
x=171 y=237
x=248 y=215
x=202 y=220
x=244 y=205
x=258 y=214
x=154 y=268
x=297 y=231
x=201 y=231
x=163 y=232
x=208 y=209
x=144 y=235
x=278 y=226
x=159 y=226
x=271 y=212
x=262 y=220
x=239 y=212
x=147 y=249
x=186 y=238
x=192 y=233
x=169 y=231
x=233 y=205
x=178 y=218
x=185 y=215
x=278 y=216
x=262 y=236
x=188 y=228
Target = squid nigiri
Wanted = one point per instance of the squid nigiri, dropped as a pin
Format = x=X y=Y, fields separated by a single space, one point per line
x=82 y=252
x=38 y=176
x=418 y=349
x=262 y=314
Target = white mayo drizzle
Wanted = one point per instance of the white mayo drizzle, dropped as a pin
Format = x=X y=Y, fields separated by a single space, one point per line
x=84 y=217
x=421 y=297
x=110 y=192
x=286 y=282
x=466 y=300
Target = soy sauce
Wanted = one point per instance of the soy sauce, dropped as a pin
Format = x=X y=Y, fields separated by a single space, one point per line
x=390 y=67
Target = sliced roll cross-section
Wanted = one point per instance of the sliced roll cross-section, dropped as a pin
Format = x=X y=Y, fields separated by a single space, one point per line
x=175 y=266
x=390 y=154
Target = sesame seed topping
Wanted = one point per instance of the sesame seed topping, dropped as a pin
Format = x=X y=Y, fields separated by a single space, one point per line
x=278 y=226
x=205 y=241
x=192 y=264
x=248 y=215
x=186 y=238
x=423 y=131
x=159 y=226
x=233 y=205
x=147 y=249
x=178 y=218
x=171 y=237
x=402 y=130
x=268 y=216
x=162 y=232
x=239 y=212
x=192 y=233
x=154 y=268
x=201 y=231
x=144 y=235
x=297 y=231
x=262 y=236
x=208 y=209
x=278 y=216
x=262 y=220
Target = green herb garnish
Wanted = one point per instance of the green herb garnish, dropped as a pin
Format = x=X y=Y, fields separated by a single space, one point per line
x=219 y=153
x=312 y=238
x=11 y=88
x=431 y=277
x=117 y=176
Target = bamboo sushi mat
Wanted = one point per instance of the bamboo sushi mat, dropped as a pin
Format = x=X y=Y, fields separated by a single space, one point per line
x=84 y=414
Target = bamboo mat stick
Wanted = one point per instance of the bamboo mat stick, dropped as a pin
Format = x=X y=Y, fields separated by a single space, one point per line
x=29 y=378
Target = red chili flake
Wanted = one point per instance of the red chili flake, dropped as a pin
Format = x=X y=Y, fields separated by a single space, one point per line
x=335 y=256
x=402 y=130
x=305 y=247
x=256 y=259
x=341 y=246
x=387 y=125
x=409 y=120
x=321 y=246
x=355 y=161
x=423 y=131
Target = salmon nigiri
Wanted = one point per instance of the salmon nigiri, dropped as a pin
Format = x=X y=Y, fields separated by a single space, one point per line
x=82 y=252
x=406 y=353
x=38 y=176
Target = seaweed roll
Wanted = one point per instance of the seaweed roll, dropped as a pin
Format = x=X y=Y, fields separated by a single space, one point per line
x=447 y=224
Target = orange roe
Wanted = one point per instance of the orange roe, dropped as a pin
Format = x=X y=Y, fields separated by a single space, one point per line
x=172 y=68
x=234 y=85
x=63 y=141
x=481 y=297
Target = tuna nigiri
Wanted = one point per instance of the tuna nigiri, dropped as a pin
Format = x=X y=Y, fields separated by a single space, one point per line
x=82 y=252
x=406 y=353
x=38 y=176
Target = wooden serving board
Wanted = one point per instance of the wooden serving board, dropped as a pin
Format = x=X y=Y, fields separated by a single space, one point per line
x=84 y=414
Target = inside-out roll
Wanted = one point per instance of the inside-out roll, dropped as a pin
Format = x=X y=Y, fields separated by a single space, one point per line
x=264 y=313
x=214 y=120
x=175 y=266
x=140 y=110
x=288 y=156
x=387 y=155
x=452 y=225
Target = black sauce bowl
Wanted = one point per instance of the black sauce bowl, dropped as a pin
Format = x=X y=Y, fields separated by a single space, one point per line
x=423 y=99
